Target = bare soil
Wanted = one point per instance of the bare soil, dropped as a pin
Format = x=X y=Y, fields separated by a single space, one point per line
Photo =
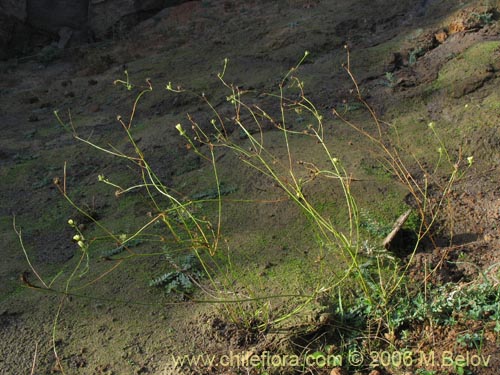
x=415 y=62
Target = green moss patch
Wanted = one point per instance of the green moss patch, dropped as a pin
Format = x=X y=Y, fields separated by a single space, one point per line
x=469 y=70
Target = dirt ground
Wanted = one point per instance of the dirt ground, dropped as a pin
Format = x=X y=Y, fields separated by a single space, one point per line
x=415 y=61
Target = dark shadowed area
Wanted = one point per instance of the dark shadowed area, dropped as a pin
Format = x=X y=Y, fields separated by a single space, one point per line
x=131 y=284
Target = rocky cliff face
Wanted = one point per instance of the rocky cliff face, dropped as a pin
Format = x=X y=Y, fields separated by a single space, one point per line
x=52 y=15
x=112 y=16
x=12 y=17
x=27 y=24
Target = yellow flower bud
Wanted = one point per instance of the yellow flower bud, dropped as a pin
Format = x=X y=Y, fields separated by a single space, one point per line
x=180 y=129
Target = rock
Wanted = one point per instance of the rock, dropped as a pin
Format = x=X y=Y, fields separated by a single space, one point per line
x=14 y=8
x=12 y=17
x=52 y=15
x=25 y=24
x=65 y=34
x=109 y=17
x=441 y=36
x=5 y=34
x=35 y=23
